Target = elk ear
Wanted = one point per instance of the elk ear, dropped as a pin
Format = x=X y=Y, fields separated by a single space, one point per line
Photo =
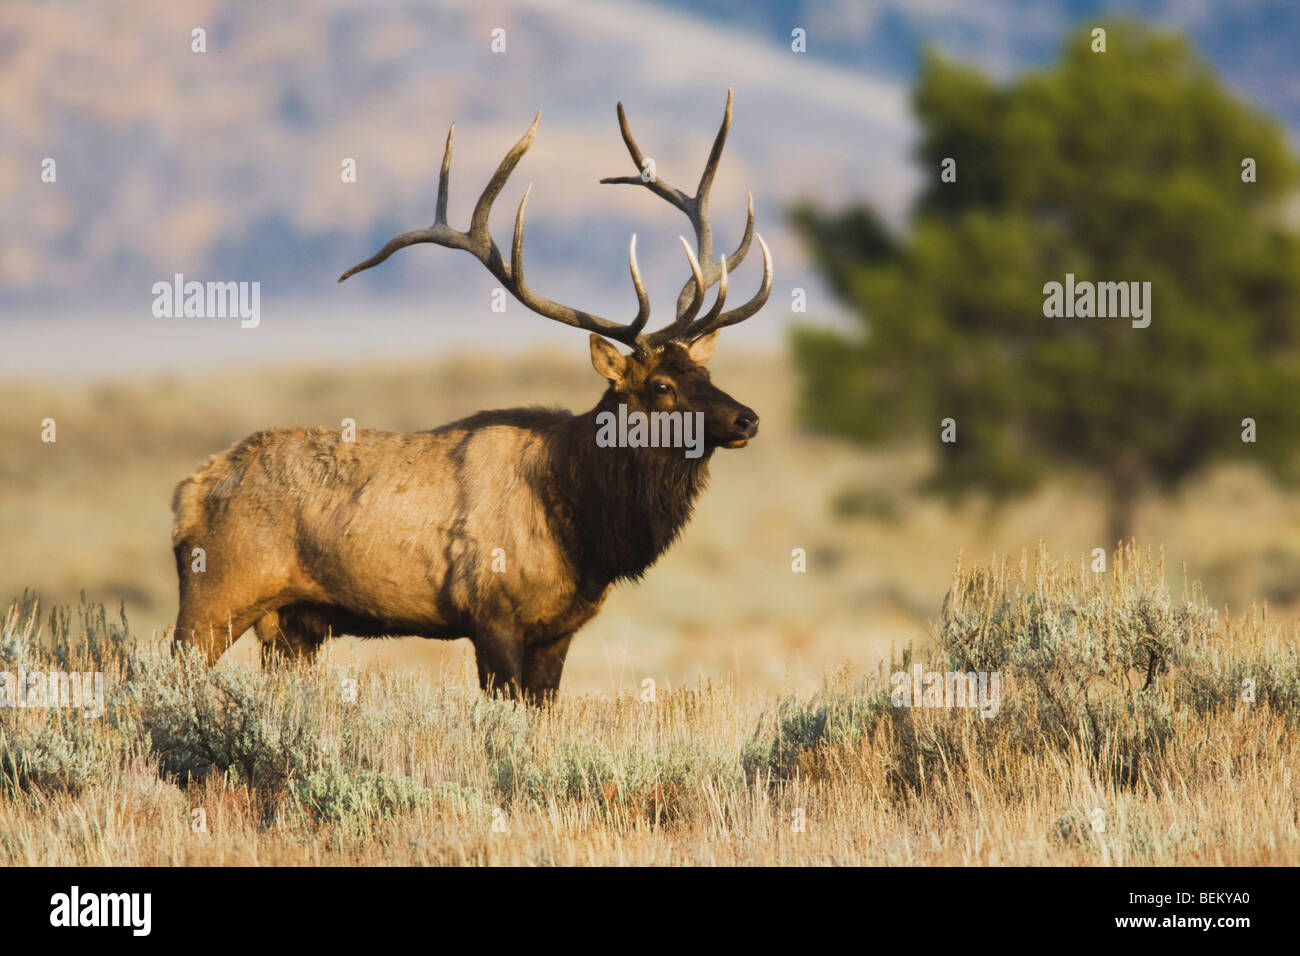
x=702 y=348
x=608 y=360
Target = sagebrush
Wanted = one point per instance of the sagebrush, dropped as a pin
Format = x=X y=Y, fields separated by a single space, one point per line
x=1164 y=720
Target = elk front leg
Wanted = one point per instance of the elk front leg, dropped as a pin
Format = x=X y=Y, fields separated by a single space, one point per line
x=499 y=654
x=209 y=629
x=543 y=665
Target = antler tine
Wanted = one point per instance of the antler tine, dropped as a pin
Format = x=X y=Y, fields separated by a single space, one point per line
x=711 y=166
x=398 y=242
x=443 y=235
x=444 y=174
x=478 y=241
x=737 y=257
x=437 y=233
x=697 y=210
x=627 y=334
x=670 y=332
x=478 y=223
x=656 y=184
x=643 y=300
x=714 y=321
x=733 y=260
x=705 y=322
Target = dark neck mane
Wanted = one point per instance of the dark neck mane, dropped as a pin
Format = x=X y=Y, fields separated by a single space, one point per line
x=621 y=508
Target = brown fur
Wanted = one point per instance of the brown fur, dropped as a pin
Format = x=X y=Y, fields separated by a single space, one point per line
x=306 y=535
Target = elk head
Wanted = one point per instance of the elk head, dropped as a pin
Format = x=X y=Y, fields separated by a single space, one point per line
x=665 y=370
x=674 y=379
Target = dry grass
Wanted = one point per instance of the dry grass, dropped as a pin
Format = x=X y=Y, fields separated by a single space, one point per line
x=1086 y=762
x=746 y=727
x=92 y=513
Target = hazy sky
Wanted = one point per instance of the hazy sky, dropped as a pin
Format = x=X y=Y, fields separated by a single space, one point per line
x=225 y=165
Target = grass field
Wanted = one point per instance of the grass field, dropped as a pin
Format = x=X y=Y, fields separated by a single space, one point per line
x=1142 y=718
x=1123 y=734
x=91 y=513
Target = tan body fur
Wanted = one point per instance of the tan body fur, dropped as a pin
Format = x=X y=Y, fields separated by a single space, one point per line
x=386 y=526
x=509 y=527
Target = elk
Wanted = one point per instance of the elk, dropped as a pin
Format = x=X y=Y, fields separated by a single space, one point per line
x=509 y=527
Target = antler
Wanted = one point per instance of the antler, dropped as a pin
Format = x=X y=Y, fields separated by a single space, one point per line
x=709 y=272
x=478 y=241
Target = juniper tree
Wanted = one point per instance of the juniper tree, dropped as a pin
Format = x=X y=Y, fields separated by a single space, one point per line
x=1129 y=165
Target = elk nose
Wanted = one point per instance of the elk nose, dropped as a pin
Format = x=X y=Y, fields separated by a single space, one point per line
x=746 y=421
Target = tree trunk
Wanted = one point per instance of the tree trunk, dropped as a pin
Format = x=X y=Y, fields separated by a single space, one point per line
x=1122 y=512
x=1125 y=486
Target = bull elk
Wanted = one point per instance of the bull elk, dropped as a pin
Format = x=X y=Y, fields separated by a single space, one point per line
x=397 y=533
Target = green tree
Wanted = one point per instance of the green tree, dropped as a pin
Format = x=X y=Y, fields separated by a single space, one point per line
x=1124 y=166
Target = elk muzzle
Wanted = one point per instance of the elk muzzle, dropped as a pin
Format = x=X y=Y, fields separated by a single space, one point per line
x=739 y=425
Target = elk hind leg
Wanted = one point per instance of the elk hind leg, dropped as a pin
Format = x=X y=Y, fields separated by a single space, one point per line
x=498 y=651
x=543 y=665
x=290 y=634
